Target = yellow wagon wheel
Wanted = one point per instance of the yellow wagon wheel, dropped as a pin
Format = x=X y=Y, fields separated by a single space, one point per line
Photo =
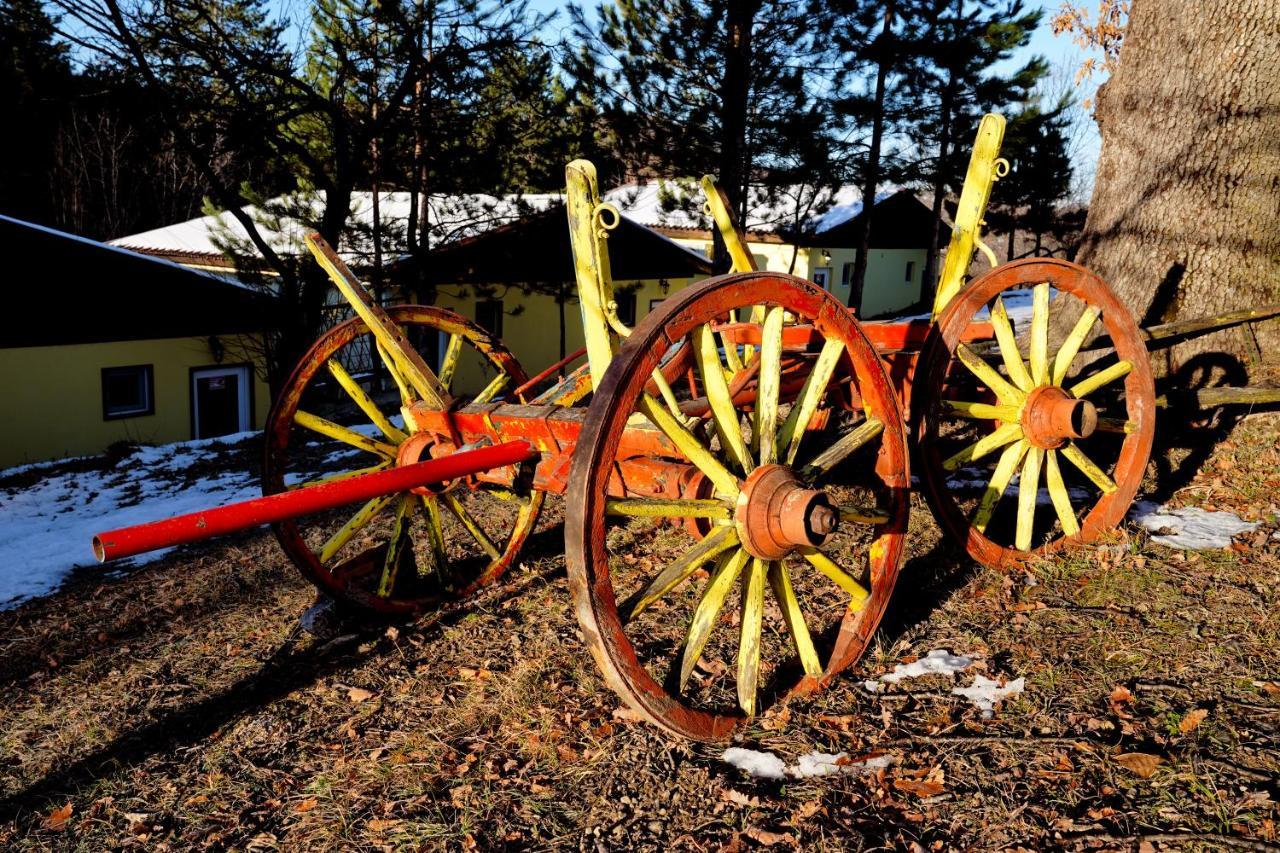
x=338 y=416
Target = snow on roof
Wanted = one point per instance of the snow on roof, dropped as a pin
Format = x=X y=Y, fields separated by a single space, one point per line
x=678 y=204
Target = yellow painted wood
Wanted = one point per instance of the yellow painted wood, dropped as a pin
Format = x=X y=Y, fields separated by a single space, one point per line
x=459 y=511
x=749 y=638
x=980 y=448
x=406 y=396
x=590 y=265
x=362 y=517
x=1007 y=394
x=716 y=388
x=863 y=515
x=727 y=225
x=504 y=494
x=756 y=316
x=1071 y=345
x=1008 y=343
x=770 y=382
x=668 y=395
x=999 y=483
x=727 y=569
x=667 y=508
x=1028 y=490
x=1117 y=425
x=494 y=388
x=407 y=360
x=793 y=615
x=1102 y=377
x=435 y=536
x=343 y=475
x=1060 y=496
x=674 y=573
x=815 y=386
x=395 y=546
x=1077 y=457
x=1040 y=333
x=337 y=432
x=688 y=444
x=979 y=178
x=984 y=411
x=731 y=357
x=452 y=351
x=858 y=594
x=843 y=447
x=364 y=401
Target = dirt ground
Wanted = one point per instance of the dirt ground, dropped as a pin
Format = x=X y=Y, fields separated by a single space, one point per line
x=180 y=707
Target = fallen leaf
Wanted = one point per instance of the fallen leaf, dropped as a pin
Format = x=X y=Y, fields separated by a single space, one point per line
x=380 y=825
x=920 y=787
x=738 y=798
x=1120 y=695
x=626 y=715
x=139 y=822
x=358 y=695
x=1192 y=719
x=57 y=819
x=306 y=805
x=1270 y=687
x=459 y=795
x=768 y=839
x=1141 y=764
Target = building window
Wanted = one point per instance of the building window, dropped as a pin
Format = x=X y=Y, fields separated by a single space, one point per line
x=128 y=392
x=822 y=277
x=489 y=316
x=846 y=275
x=911 y=269
x=626 y=307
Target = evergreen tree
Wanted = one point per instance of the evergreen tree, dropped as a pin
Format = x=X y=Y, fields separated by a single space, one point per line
x=1035 y=144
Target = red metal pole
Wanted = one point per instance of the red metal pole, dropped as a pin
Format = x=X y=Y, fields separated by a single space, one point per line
x=195 y=526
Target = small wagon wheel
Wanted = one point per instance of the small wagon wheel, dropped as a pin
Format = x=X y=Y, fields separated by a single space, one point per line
x=409 y=551
x=814 y=563
x=1060 y=421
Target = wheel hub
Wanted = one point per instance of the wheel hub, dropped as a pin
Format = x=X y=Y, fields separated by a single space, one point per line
x=777 y=514
x=414 y=449
x=1051 y=417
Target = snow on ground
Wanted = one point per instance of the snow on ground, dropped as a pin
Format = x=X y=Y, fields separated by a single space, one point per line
x=48 y=526
x=767 y=765
x=1189 y=528
x=937 y=662
x=986 y=692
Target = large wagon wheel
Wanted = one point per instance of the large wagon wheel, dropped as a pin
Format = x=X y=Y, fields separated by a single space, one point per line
x=1074 y=436
x=760 y=511
x=408 y=551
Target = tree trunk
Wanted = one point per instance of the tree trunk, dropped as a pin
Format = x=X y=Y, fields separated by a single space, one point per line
x=1185 y=216
x=734 y=102
x=872 y=178
x=939 y=185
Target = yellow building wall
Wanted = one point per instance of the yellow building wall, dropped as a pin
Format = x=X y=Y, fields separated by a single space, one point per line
x=53 y=395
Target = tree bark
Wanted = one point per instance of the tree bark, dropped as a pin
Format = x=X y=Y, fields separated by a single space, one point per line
x=1185 y=216
x=735 y=96
x=872 y=178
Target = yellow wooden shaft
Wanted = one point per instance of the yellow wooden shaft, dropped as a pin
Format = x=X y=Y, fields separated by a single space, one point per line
x=344 y=475
x=406 y=396
x=341 y=433
x=1071 y=345
x=435 y=536
x=727 y=569
x=1059 y=495
x=1118 y=425
x=590 y=266
x=780 y=582
x=395 y=546
x=1102 y=377
x=858 y=594
x=1004 y=472
x=667 y=508
x=1009 y=350
x=449 y=364
x=863 y=515
x=843 y=447
x=362 y=517
x=749 y=638
x=494 y=388
x=459 y=511
x=717 y=390
x=1007 y=394
x=364 y=401
x=802 y=410
x=1040 y=333
x=688 y=444
x=1087 y=467
x=1028 y=491
x=770 y=382
x=984 y=411
x=727 y=225
x=668 y=395
x=980 y=448
x=718 y=541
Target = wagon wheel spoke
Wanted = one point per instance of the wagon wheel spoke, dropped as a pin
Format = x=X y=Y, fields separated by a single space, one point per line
x=1005 y=434
x=449 y=364
x=780 y=583
x=353 y=525
x=731 y=357
x=858 y=594
x=399 y=537
x=677 y=571
x=1102 y=377
x=1039 y=355
x=406 y=396
x=999 y=483
x=766 y=424
x=728 y=567
x=841 y=450
x=494 y=388
x=982 y=411
x=722 y=409
x=668 y=508
x=337 y=432
x=1009 y=350
x=1007 y=394
x=1077 y=457
x=435 y=536
x=344 y=475
x=802 y=410
x=364 y=401
x=862 y=515
x=689 y=444
x=1117 y=425
x=1059 y=495
x=459 y=512
x=749 y=638
x=1028 y=491
x=1071 y=344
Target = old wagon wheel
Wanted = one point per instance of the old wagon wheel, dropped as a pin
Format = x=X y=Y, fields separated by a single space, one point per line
x=758 y=509
x=1050 y=405
x=408 y=551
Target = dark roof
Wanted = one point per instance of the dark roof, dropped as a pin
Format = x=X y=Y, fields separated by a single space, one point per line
x=536 y=248
x=901 y=221
x=64 y=289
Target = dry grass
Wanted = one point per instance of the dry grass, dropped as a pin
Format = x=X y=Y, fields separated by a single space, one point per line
x=180 y=708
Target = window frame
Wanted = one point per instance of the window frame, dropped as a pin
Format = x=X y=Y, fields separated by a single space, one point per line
x=501 y=310
x=149 y=385
x=911 y=271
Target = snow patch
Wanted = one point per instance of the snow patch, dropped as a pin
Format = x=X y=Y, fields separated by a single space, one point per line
x=767 y=765
x=753 y=762
x=986 y=692
x=1189 y=528
x=937 y=662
